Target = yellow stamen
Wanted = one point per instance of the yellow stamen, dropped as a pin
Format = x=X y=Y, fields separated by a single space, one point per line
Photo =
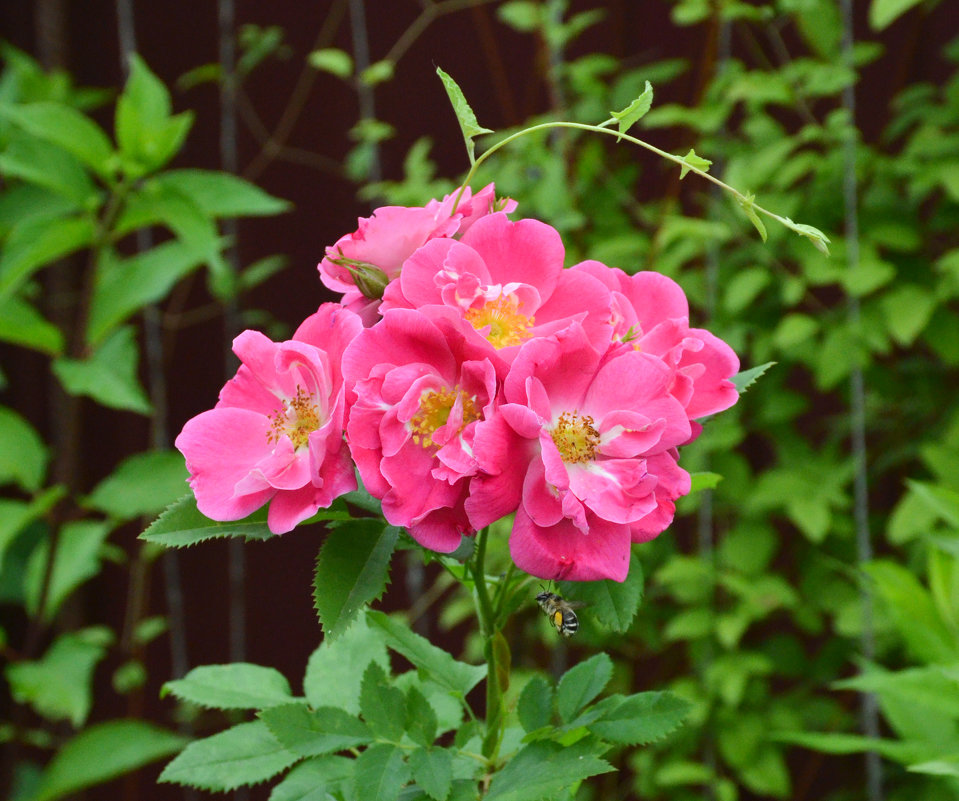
x=434 y=412
x=298 y=418
x=575 y=437
x=507 y=326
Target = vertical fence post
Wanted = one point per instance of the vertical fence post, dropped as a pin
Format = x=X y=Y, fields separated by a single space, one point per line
x=868 y=710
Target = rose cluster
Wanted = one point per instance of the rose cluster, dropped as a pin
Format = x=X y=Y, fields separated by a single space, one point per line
x=467 y=375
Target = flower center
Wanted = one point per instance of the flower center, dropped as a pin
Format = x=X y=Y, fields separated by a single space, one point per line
x=434 y=412
x=507 y=326
x=575 y=437
x=298 y=418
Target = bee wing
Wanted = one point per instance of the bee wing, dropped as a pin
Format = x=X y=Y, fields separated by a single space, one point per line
x=577 y=604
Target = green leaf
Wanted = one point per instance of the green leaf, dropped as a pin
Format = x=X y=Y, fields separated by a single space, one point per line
x=944 y=502
x=156 y=203
x=38 y=242
x=421 y=722
x=642 y=718
x=611 y=603
x=913 y=612
x=793 y=329
x=16 y=515
x=433 y=771
x=457 y=677
x=204 y=73
x=937 y=767
x=690 y=624
x=67 y=128
x=147 y=135
x=109 y=376
x=182 y=524
x=148 y=629
x=383 y=707
x=334 y=672
x=59 y=685
x=258 y=44
x=23 y=456
x=143 y=484
x=464 y=114
x=381 y=773
x=905 y=751
x=23 y=202
x=332 y=60
x=630 y=115
x=818 y=238
x=378 y=72
x=219 y=194
x=882 y=13
x=745 y=379
x=535 y=705
x=581 y=684
x=766 y=772
x=748 y=205
x=524 y=16
x=446 y=708
x=352 y=569
x=867 y=275
x=312 y=779
x=907 y=310
x=693 y=162
x=129 y=677
x=244 y=754
x=543 y=769
x=124 y=286
x=312 y=732
x=929 y=690
x=371 y=131
x=77 y=560
x=239 y=685
x=22 y=324
x=49 y=166
x=704 y=481
x=742 y=289
x=102 y=752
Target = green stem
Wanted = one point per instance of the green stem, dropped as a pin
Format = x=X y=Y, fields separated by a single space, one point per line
x=495 y=710
x=746 y=201
x=483 y=606
x=503 y=593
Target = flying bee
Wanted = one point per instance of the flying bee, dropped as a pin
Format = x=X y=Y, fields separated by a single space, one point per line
x=560 y=612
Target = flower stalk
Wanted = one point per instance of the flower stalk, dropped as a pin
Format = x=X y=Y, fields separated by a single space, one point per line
x=495 y=650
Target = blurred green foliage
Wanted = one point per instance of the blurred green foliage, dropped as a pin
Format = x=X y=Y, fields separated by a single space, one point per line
x=76 y=201
x=754 y=600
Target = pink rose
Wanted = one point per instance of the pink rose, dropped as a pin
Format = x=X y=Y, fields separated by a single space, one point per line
x=649 y=312
x=503 y=282
x=276 y=433
x=578 y=448
x=362 y=263
x=420 y=389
